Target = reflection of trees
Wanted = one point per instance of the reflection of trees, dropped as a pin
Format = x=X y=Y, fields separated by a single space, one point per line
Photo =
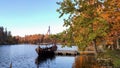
x=84 y=61
x=43 y=58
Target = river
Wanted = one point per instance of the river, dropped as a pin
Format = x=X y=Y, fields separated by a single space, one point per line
x=25 y=56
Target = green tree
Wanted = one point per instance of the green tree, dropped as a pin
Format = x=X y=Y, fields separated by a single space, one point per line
x=86 y=26
x=6 y=37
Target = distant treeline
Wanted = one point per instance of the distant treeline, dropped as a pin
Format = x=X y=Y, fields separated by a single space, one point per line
x=6 y=37
x=40 y=38
x=34 y=39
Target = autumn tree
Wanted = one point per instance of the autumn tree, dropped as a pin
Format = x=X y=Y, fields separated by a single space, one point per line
x=60 y=37
x=112 y=16
x=86 y=26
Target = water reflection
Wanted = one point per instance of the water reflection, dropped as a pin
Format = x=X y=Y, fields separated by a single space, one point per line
x=84 y=61
x=40 y=60
x=87 y=61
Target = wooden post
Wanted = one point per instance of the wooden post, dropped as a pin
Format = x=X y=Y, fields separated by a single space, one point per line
x=11 y=65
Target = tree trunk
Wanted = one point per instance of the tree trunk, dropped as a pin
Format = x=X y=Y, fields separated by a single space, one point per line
x=95 y=47
x=118 y=46
x=112 y=47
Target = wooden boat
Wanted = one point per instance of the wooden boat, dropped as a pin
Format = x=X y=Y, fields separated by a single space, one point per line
x=46 y=51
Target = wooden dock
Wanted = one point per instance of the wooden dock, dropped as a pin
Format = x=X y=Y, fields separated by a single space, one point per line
x=66 y=53
x=73 y=52
x=87 y=52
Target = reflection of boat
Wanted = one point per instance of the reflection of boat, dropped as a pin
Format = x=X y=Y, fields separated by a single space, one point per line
x=42 y=59
x=46 y=51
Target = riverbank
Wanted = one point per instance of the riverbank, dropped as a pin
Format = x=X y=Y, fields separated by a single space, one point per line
x=114 y=55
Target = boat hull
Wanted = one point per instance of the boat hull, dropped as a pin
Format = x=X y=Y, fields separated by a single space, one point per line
x=46 y=53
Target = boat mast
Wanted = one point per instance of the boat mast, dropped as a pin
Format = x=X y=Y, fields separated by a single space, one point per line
x=48 y=35
x=48 y=32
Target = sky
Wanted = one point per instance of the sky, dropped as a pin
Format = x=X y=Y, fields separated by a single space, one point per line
x=26 y=17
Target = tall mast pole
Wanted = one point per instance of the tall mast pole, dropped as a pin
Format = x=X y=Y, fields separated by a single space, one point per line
x=48 y=32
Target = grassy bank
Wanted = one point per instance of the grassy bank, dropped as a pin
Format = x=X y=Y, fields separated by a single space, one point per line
x=114 y=55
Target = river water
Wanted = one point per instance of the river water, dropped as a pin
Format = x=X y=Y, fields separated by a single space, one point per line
x=25 y=56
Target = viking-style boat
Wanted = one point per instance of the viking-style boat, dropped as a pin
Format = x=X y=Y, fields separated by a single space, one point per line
x=46 y=51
